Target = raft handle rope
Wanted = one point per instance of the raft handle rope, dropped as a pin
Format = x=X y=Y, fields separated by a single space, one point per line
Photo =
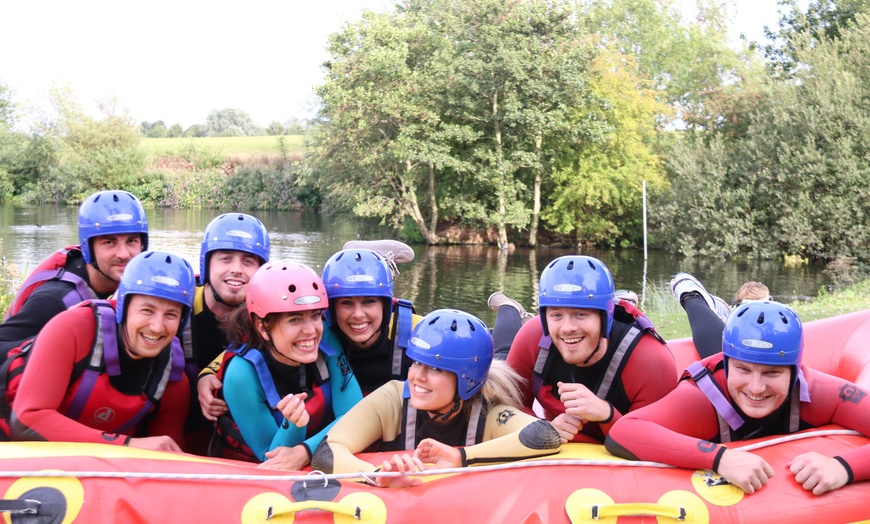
x=378 y=474
x=316 y=473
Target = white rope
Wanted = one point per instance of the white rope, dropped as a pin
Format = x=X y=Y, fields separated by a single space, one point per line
x=443 y=471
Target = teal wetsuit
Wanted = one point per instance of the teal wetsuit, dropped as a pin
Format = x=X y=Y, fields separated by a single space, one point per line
x=328 y=399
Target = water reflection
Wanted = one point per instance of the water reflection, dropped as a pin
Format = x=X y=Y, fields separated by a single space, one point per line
x=440 y=276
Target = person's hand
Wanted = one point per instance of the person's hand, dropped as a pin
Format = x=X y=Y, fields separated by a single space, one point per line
x=211 y=406
x=159 y=443
x=286 y=458
x=404 y=463
x=818 y=473
x=743 y=469
x=567 y=426
x=582 y=403
x=293 y=408
x=431 y=451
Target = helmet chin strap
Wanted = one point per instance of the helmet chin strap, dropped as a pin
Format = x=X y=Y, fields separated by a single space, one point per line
x=594 y=351
x=100 y=271
x=444 y=416
x=218 y=298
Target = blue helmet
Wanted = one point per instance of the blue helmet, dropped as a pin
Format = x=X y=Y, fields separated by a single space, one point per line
x=233 y=232
x=577 y=281
x=454 y=341
x=766 y=333
x=110 y=213
x=158 y=274
x=357 y=273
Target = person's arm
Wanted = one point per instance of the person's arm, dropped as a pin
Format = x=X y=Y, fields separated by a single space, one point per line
x=663 y=432
x=207 y=386
x=169 y=417
x=522 y=356
x=510 y=435
x=648 y=376
x=376 y=417
x=838 y=401
x=247 y=402
x=346 y=394
x=65 y=340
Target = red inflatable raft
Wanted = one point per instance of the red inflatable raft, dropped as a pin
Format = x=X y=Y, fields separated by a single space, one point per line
x=62 y=483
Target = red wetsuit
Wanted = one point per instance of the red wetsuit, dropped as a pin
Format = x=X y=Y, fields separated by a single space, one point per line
x=45 y=393
x=683 y=428
x=648 y=373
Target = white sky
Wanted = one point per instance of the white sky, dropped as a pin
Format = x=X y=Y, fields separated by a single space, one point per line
x=177 y=60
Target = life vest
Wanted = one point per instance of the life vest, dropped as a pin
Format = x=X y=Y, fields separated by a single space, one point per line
x=401 y=333
x=729 y=419
x=228 y=442
x=92 y=373
x=53 y=268
x=407 y=439
x=639 y=325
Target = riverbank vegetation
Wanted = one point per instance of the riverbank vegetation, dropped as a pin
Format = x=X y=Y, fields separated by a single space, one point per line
x=531 y=123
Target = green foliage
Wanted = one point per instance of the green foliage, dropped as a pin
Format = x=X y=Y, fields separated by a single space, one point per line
x=797 y=182
x=822 y=20
x=231 y=122
x=10 y=279
x=93 y=154
x=275 y=128
x=599 y=189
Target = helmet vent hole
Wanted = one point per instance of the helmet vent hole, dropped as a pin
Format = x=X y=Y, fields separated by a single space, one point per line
x=570 y=265
x=358 y=257
x=315 y=286
x=291 y=288
x=760 y=318
x=783 y=318
x=434 y=320
x=453 y=326
x=471 y=326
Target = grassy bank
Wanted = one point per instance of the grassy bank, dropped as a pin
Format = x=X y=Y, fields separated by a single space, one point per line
x=236 y=146
x=671 y=321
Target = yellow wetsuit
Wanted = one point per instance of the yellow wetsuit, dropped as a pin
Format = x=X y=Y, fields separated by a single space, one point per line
x=508 y=433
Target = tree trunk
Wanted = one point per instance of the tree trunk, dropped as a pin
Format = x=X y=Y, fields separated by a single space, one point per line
x=412 y=207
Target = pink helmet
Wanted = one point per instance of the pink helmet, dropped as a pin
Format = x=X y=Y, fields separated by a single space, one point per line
x=283 y=286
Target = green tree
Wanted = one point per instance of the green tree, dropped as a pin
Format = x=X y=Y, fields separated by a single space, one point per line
x=689 y=62
x=195 y=131
x=376 y=127
x=275 y=128
x=598 y=191
x=96 y=153
x=231 y=122
x=796 y=183
x=823 y=19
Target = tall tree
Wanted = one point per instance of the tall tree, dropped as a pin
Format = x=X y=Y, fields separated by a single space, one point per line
x=823 y=19
x=376 y=142
x=231 y=122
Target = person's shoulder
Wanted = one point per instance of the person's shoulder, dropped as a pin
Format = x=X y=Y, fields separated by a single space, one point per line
x=531 y=330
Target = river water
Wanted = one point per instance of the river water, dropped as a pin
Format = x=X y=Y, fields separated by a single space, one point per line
x=441 y=276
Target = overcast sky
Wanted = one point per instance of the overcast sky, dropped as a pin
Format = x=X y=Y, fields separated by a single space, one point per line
x=178 y=60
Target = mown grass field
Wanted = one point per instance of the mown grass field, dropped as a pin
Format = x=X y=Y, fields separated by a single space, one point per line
x=229 y=146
